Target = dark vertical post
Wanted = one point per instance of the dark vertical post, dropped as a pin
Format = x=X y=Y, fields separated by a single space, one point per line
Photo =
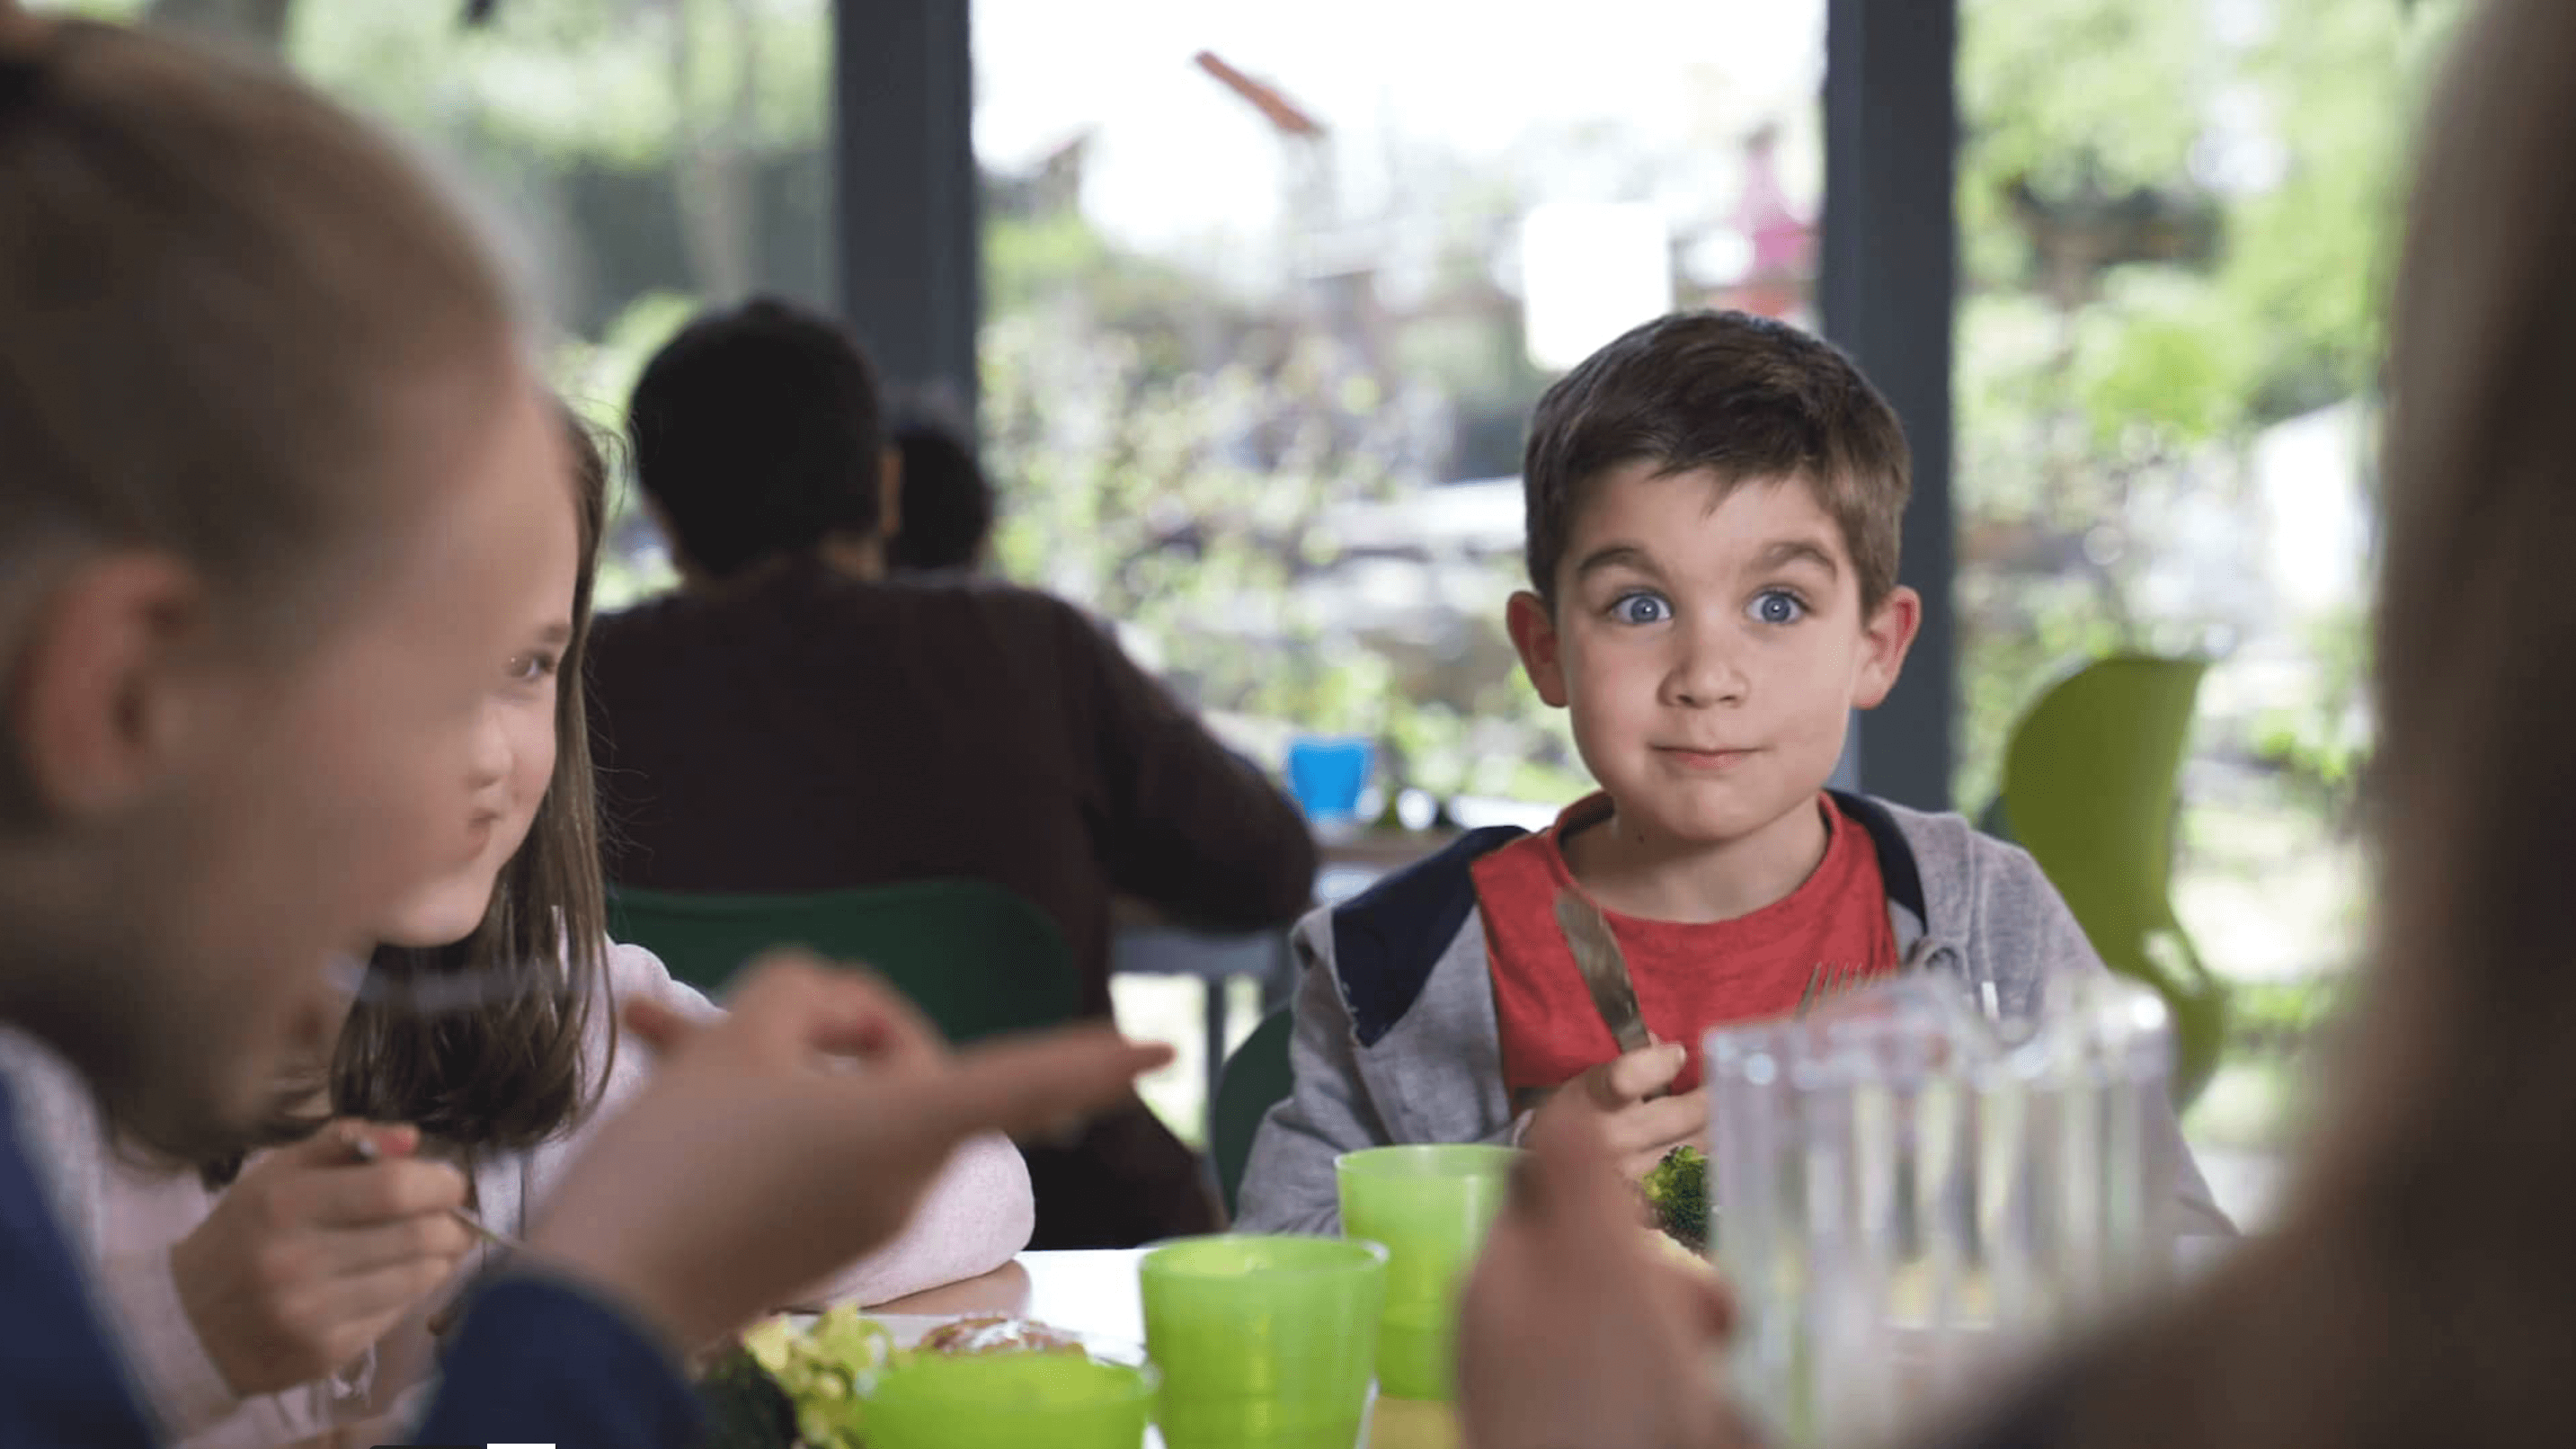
x=909 y=253
x=1887 y=279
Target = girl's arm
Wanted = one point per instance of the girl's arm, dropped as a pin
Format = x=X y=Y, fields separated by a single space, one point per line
x=976 y=1215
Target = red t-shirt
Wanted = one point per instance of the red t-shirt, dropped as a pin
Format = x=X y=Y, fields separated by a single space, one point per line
x=1689 y=976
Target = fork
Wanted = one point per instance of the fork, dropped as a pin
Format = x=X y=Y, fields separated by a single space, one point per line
x=439 y=1322
x=1827 y=981
x=364 y=1148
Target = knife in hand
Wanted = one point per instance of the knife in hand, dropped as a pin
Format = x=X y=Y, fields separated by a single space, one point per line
x=1604 y=968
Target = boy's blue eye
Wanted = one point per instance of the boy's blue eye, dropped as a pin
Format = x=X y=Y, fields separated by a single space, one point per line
x=1641 y=609
x=1777 y=606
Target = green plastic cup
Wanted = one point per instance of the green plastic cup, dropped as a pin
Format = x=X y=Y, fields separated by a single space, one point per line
x=1263 y=1342
x=1007 y=1401
x=1431 y=1205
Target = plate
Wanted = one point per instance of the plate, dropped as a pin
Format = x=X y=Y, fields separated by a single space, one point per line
x=909 y=1329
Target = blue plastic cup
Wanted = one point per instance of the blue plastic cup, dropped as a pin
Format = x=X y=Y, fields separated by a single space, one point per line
x=1327 y=773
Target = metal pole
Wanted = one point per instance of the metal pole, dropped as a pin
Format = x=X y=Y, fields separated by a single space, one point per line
x=909 y=249
x=1887 y=279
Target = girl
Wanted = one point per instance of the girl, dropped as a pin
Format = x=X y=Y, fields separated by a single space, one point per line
x=253 y=1319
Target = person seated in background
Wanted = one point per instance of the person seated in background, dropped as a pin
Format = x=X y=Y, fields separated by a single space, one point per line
x=947 y=502
x=2420 y=1286
x=1713 y=503
x=792 y=720
x=505 y=1089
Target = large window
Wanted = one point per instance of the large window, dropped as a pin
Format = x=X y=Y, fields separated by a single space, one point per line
x=2177 y=222
x=1272 y=289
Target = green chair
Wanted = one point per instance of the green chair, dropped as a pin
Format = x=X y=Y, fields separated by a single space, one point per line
x=1257 y=1077
x=2089 y=788
x=976 y=959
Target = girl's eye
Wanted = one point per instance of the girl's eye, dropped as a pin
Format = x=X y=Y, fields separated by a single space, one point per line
x=1778 y=606
x=530 y=668
x=1640 y=609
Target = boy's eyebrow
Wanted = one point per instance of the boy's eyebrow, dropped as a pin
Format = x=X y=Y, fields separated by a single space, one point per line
x=1617 y=555
x=1793 y=550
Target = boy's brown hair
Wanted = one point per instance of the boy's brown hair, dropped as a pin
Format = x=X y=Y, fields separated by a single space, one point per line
x=1745 y=397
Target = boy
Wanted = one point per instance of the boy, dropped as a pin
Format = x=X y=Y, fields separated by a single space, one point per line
x=1713 y=503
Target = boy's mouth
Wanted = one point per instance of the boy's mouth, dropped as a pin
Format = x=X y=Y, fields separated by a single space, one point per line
x=1693 y=759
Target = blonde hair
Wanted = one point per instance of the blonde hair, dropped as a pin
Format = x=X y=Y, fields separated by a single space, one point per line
x=218 y=295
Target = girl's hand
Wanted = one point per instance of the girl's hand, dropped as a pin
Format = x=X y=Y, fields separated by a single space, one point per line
x=312 y=1254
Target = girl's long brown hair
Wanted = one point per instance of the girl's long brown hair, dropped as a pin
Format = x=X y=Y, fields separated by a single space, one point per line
x=2421 y=1289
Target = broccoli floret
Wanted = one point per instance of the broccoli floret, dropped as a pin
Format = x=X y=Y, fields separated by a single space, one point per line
x=818 y=1368
x=745 y=1407
x=1677 y=1191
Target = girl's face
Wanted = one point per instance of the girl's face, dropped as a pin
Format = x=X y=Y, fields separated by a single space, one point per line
x=513 y=748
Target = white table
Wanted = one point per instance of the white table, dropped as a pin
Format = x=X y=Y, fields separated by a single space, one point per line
x=1091 y=1291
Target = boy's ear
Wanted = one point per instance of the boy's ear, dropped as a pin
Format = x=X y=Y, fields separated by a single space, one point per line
x=98 y=694
x=1884 y=639
x=686 y=567
x=890 y=493
x=1533 y=630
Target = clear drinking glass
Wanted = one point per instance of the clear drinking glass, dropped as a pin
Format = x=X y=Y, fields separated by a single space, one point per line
x=1909 y=1189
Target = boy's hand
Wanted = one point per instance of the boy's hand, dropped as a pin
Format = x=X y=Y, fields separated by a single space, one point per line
x=1574 y=1330
x=1619 y=1097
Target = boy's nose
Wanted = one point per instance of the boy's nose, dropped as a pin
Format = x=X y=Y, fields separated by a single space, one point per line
x=1704 y=671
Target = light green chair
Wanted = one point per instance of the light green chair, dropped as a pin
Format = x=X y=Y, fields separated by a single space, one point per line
x=2089 y=788
x=1257 y=1076
x=975 y=958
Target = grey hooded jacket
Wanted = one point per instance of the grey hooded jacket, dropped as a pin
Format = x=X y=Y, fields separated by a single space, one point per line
x=1396 y=1041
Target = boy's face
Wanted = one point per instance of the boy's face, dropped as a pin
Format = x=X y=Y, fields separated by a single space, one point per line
x=1711 y=646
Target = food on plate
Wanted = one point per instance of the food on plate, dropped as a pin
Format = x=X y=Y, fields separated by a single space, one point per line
x=746 y=1408
x=997 y=1334
x=793 y=1385
x=1677 y=1191
x=818 y=1367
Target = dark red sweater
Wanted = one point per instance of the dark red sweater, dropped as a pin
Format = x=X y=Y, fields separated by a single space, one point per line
x=807 y=731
